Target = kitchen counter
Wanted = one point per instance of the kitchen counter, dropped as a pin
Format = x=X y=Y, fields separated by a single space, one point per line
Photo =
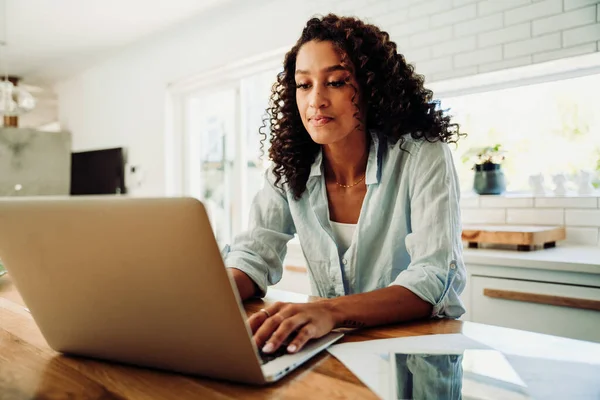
x=571 y=258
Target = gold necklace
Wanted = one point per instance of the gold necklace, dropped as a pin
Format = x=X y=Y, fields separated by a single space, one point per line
x=354 y=184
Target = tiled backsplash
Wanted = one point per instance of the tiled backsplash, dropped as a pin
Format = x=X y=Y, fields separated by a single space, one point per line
x=579 y=214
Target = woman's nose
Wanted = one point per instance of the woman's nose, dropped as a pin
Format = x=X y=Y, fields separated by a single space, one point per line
x=318 y=99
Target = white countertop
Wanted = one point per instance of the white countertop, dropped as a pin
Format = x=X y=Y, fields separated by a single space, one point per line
x=585 y=259
x=571 y=258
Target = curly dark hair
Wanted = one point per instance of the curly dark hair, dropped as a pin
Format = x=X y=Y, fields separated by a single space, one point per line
x=396 y=102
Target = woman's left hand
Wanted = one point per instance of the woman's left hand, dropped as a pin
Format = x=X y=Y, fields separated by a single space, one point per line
x=310 y=320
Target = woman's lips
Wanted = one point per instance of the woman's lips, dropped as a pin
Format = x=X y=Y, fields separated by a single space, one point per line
x=320 y=121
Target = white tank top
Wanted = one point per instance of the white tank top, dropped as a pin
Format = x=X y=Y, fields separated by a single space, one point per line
x=343 y=234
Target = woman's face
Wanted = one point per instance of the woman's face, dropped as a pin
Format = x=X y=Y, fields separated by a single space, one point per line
x=324 y=93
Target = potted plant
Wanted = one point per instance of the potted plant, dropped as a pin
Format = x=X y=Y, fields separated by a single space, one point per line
x=487 y=163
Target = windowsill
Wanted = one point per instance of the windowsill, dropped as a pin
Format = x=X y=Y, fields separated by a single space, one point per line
x=530 y=200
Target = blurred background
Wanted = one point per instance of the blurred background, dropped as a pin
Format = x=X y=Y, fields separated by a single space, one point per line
x=146 y=98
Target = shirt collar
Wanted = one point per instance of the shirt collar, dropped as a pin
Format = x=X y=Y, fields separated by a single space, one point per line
x=373 y=174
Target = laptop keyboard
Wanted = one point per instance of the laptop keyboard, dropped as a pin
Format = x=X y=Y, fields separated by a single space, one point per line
x=281 y=351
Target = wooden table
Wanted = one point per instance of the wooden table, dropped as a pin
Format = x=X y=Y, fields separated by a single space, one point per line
x=30 y=369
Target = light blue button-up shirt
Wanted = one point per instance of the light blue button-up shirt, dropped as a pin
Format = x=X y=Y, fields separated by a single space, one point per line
x=408 y=231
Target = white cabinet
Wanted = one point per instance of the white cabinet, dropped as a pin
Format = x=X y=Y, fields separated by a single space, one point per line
x=554 y=291
x=556 y=309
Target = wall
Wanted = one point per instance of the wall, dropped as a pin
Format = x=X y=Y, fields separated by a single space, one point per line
x=121 y=102
x=579 y=214
x=451 y=38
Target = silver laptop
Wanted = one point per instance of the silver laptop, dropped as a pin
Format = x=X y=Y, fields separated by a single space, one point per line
x=137 y=281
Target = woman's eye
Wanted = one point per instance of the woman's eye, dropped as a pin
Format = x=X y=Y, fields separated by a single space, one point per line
x=337 y=83
x=302 y=85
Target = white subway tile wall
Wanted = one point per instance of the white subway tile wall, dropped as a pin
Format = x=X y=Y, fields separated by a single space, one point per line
x=494 y=6
x=571 y=19
x=480 y=36
x=504 y=64
x=455 y=46
x=481 y=24
x=532 y=216
x=533 y=11
x=483 y=216
x=458 y=3
x=481 y=56
x=430 y=37
x=567 y=202
x=417 y=55
x=469 y=202
x=440 y=76
x=529 y=46
x=430 y=7
x=571 y=4
x=456 y=15
x=580 y=215
x=505 y=35
x=583 y=34
x=586 y=236
x=435 y=65
x=505 y=202
x=565 y=52
x=415 y=25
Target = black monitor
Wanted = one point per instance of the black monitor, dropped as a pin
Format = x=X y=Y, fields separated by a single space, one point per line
x=98 y=172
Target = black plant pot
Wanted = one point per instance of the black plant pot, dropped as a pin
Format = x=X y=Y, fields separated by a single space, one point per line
x=489 y=179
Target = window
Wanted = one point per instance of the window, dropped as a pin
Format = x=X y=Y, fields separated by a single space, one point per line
x=547 y=128
x=211 y=156
x=214 y=145
x=255 y=94
x=545 y=116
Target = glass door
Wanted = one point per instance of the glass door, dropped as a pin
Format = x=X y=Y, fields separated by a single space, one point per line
x=223 y=166
x=210 y=157
x=255 y=91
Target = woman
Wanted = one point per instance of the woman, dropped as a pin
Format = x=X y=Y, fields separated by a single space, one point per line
x=363 y=174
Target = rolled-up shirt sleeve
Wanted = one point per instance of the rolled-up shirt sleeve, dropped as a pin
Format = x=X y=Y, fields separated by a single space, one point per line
x=436 y=272
x=260 y=250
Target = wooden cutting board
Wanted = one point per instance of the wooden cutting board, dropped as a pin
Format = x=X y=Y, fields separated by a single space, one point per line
x=520 y=235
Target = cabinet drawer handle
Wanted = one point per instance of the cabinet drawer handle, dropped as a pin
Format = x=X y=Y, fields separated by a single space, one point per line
x=296 y=268
x=583 y=304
